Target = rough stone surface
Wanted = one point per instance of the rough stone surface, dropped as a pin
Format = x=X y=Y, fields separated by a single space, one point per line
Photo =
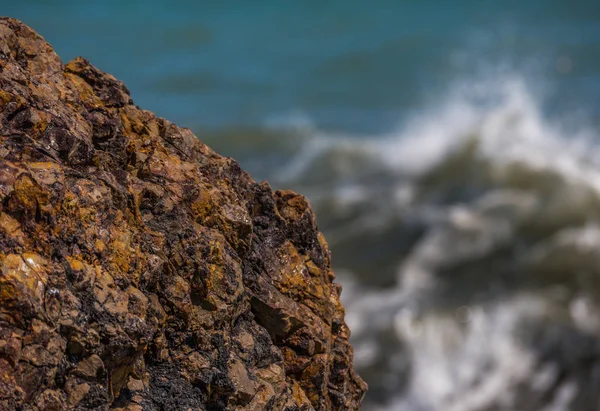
x=140 y=270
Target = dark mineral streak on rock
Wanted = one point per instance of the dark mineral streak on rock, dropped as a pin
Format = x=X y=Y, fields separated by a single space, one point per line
x=143 y=271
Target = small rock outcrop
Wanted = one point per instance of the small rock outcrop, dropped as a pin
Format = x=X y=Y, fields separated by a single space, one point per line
x=143 y=271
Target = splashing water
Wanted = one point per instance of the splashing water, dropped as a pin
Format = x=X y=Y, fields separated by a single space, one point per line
x=478 y=223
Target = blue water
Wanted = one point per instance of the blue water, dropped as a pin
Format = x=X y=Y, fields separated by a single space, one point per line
x=346 y=65
x=451 y=151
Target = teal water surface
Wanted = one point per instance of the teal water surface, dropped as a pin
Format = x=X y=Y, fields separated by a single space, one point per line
x=346 y=65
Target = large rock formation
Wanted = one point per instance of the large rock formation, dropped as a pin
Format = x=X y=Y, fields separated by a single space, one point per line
x=143 y=271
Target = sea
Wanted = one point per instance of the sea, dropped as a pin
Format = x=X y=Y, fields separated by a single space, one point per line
x=450 y=149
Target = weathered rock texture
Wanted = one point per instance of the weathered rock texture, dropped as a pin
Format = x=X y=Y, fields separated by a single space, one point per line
x=143 y=271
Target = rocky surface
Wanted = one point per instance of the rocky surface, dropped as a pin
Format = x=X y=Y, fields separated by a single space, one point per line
x=143 y=271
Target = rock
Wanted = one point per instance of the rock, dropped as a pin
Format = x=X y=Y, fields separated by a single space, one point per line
x=140 y=269
x=89 y=368
x=243 y=385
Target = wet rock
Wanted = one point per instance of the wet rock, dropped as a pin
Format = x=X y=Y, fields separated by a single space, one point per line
x=142 y=271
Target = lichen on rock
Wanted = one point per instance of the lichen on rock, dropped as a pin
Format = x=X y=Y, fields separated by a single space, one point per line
x=140 y=270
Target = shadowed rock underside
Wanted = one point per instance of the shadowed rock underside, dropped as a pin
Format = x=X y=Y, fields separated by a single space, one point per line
x=143 y=271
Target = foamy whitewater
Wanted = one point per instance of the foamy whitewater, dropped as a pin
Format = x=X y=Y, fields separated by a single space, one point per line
x=468 y=241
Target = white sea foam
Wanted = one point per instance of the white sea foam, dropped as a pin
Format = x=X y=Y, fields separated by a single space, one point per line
x=504 y=198
x=509 y=127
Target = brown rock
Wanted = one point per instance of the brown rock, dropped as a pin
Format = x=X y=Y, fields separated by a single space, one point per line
x=89 y=368
x=135 y=385
x=51 y=400
x=242 y=384
x=77 y=393
x=141 y=270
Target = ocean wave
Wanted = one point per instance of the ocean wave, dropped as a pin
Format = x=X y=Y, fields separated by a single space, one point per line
x=468 y=242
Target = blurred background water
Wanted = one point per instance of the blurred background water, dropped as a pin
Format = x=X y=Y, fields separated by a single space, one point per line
x=451 y=151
